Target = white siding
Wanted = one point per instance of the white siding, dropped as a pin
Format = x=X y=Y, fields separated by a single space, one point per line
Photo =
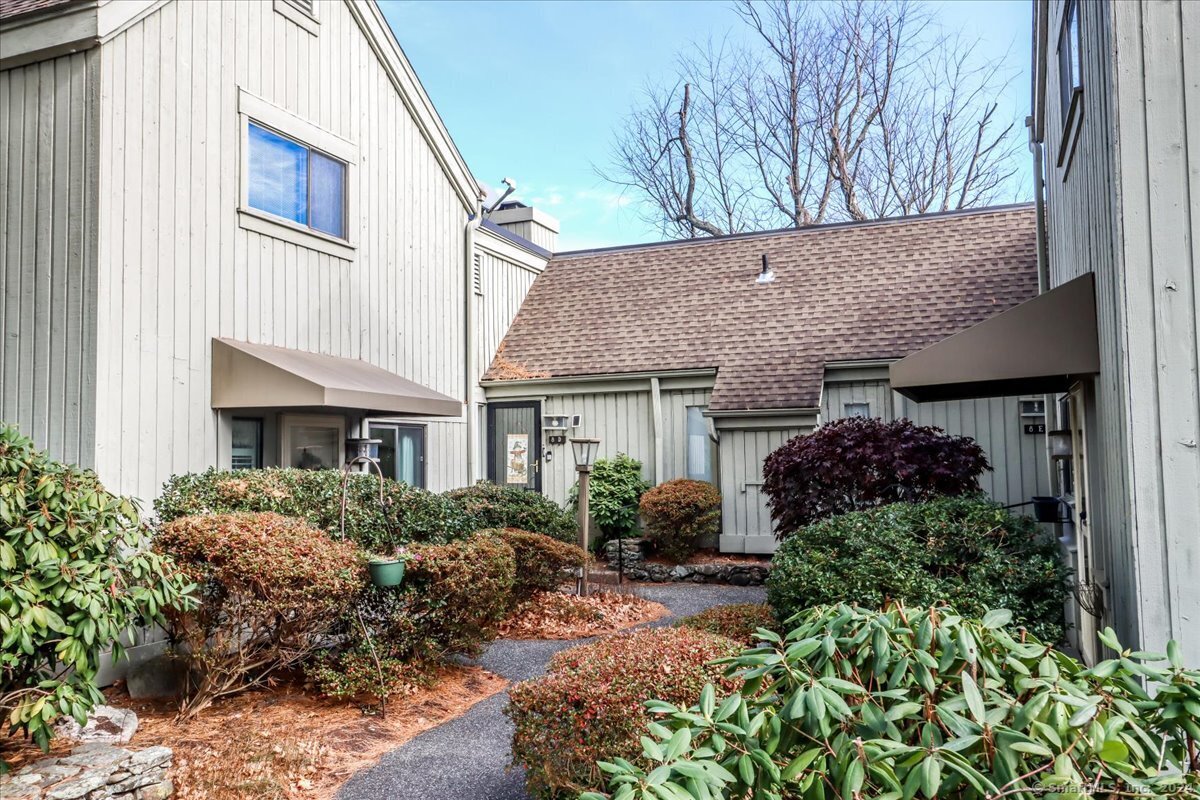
x=176 y=269
x=504 y=283
x=48 y=252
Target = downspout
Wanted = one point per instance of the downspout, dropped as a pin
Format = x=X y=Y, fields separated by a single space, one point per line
x=1039 y=206
x=472 y=370
x=656 y=406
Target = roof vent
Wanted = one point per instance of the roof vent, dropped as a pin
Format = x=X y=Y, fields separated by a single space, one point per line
x=767 y=275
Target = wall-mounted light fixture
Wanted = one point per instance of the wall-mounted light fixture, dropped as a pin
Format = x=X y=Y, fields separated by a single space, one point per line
x=766 y=275
x=1060 y=444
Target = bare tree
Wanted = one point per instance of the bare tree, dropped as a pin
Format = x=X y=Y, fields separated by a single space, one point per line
x=854 y=110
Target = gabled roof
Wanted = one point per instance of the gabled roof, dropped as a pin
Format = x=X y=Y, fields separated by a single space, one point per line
x=851 y=291
x=10 y=9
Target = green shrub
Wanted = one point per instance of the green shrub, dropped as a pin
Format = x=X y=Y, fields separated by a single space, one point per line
x=615 y=488
x=492 y=506
x=459 y=592
x=858 y=703
x=588 y=705
x=272 y=589
x=678 y=514
x=413 y=515
x=75 y=572
x=967 y=552
x=739 y=622
x=853 y=464
x=540 y=561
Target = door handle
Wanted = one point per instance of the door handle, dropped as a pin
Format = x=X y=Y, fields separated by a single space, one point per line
x=536 y=464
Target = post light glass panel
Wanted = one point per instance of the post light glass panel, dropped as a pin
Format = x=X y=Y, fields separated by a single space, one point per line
x=585 y=451
x=1060 y=444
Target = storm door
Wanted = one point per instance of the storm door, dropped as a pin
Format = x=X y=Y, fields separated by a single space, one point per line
x=514 y=444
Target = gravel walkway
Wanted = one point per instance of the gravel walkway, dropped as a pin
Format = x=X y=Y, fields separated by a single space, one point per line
x=467 y=758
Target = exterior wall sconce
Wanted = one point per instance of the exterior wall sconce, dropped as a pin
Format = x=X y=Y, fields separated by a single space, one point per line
x=1060 y=444
x=585 y=451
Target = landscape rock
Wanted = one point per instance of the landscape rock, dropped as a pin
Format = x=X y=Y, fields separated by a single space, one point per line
x=105 y=724
x=93 y=771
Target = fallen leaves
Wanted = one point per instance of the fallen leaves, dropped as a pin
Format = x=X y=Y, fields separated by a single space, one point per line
x=555 y=615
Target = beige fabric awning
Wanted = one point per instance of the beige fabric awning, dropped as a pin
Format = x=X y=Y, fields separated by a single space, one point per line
x=1037 y=347
x=246 y=375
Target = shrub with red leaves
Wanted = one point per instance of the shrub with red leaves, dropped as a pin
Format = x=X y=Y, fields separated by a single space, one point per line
x=589 y=704
x=678 y=514
x=738 y=622
x=271 y=589
x=855 y=463
x=540 y=561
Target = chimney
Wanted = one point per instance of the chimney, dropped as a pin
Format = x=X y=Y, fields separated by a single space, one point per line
x=528 y=223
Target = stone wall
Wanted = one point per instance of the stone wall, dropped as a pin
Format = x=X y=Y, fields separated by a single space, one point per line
x=638 y=569
x=92 y=771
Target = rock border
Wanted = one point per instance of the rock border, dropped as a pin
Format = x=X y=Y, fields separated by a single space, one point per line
x=638 y=569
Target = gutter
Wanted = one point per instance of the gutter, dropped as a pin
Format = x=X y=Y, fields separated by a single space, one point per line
x=1039 y=205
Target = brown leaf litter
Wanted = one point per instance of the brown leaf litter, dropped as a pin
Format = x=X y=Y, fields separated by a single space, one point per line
x=556 y=615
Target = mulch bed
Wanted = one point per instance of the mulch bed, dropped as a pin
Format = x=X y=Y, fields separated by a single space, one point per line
x=283 y=744
x=556 y=615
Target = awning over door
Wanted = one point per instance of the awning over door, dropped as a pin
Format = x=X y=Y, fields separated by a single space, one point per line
x=246 y=375
x=1037 y=347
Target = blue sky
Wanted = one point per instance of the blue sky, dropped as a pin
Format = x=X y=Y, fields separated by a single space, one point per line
x=535 y=90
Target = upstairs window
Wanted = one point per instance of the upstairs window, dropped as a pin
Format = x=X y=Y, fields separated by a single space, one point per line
x=1070 y=77
x=295 y=182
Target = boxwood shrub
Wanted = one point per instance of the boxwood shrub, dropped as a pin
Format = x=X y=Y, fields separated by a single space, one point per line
x=679 y=514
x=540 y=561
x=858 y=703
x=968 y=552
x=852 y=464
x=492 y=506
x=412 y=515
x=589 y=704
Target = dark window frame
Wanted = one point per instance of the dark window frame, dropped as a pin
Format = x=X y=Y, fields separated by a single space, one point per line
x=1070 y=80
x=420 y=471
x=258 y=445
x=308 y=189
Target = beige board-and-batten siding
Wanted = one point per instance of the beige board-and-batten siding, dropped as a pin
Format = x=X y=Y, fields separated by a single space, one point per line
x=48 y=141
x=180 y=265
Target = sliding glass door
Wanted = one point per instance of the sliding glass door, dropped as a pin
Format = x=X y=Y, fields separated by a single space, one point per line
x=401 y=452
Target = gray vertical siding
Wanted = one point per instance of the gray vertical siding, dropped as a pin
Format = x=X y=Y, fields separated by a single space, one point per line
x=48 y=117
x=176 y=269
x=745 y=518
x=875 y=393
x=674 y=426
x=1157 y=77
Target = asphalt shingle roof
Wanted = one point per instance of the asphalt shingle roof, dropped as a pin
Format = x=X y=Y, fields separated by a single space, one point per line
x=867 y=290
x=17 y=8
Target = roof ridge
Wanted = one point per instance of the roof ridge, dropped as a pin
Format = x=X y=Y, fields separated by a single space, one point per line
x=808 y=229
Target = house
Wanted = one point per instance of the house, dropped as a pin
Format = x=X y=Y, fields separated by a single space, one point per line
x=237 y=234
x=1113 y=340
x=684 y=356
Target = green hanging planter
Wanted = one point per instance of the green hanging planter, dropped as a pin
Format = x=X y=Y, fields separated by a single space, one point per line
x=386 y=572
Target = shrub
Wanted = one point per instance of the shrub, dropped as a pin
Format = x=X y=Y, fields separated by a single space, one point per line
x=459 y=592
x=412 y=515
x=272 y=588
x=739 y=622
x=968 y=552
x=853 y=464
x=75 y=572
x=858 y=703
x=492 y=506
x=540 y=561
x=615 y=488
x=678 y=514
x=589 y=703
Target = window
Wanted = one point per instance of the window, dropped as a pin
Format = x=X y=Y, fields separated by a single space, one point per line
x=699 y=446
x=401 y=452
x=313 y=442
x=1070 y=77
x=247 y=450
x=856 y=410
x=295 y=182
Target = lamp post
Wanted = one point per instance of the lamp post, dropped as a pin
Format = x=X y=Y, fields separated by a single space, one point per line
x=585 y=456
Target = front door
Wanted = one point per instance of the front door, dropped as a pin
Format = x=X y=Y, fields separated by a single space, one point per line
x=515 y=444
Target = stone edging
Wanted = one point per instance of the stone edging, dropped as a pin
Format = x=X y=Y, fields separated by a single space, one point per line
x=93 y=771
x=637 y=569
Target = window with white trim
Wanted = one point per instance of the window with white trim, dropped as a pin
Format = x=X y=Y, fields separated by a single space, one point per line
x=295 y=182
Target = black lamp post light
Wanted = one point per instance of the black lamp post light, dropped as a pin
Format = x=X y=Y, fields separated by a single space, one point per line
x=585 y=451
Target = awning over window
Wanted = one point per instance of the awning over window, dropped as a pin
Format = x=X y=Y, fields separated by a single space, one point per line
x=246 y=375
x=1037 y=347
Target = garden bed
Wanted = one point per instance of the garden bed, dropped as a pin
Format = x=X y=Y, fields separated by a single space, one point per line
x=557 y=615
x=706 y=566
x=283 y=743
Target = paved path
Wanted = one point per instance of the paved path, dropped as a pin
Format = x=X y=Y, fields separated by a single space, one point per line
x=467 y=758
